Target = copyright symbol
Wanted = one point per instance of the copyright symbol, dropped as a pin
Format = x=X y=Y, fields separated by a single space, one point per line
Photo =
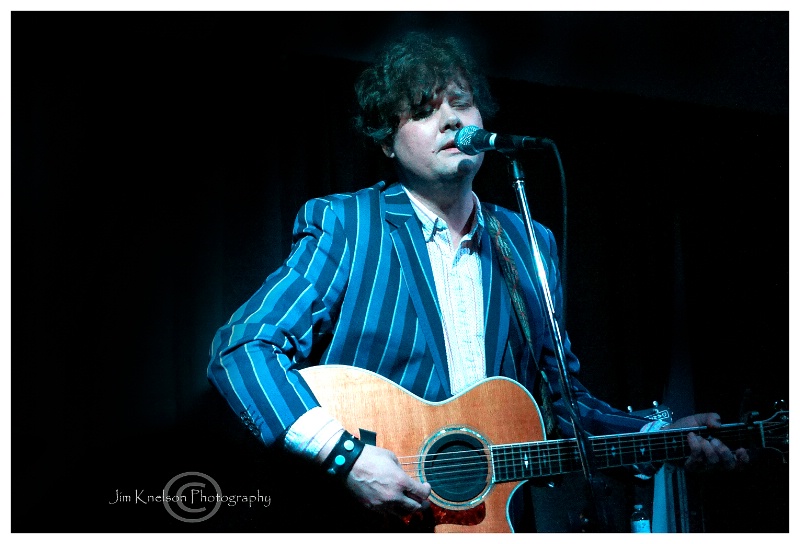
x=181 y=497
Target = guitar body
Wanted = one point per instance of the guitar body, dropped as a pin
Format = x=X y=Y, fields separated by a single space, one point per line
x=444 y=443
x=476 y=448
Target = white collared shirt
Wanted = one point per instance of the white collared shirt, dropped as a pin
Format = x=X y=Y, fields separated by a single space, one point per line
x=459 y=290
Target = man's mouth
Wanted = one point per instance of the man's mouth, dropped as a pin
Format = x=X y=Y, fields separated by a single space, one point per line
x=449 y=145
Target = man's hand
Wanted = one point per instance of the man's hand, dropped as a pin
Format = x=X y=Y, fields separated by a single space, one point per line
x=381 y=484
x=708 y=453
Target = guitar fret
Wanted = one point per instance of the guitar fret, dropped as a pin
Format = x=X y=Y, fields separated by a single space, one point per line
x=575 y=463
x=515 y=462
x=527 y=462
x=643 y=453
x=544 y=458
x=615 y=457
x=550 y=457
x=501 y=469
x=606 y=450
x=498 y=463
x=623 y=450
x=675 y=445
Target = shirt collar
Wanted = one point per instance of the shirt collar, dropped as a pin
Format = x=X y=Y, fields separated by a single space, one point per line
x=433 y=224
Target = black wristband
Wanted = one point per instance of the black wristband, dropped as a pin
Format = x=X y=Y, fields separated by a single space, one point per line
x=342 y=457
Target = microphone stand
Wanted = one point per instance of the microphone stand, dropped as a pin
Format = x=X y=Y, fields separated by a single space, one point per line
x=582 y=438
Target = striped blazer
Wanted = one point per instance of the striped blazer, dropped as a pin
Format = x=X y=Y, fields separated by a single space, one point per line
x=357 y=289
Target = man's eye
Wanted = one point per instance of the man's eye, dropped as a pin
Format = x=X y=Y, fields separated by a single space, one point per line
x=422 y=113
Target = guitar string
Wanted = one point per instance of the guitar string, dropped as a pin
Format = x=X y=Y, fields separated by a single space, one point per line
x=600 y=444
x=510 y=459
x=561 y=458
x=658 y=441
x=449 y=473
x=506 y=472
x=514 y=472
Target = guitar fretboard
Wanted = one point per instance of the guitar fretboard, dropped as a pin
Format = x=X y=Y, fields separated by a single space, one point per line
x=514 y=462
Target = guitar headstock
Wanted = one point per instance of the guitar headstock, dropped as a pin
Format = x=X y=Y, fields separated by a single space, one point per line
x=774 y=431
x=656 y=413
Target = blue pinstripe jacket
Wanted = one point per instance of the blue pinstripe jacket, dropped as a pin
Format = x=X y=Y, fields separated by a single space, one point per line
x=358 y=289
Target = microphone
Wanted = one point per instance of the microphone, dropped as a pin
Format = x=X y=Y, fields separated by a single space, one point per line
x=473 y=140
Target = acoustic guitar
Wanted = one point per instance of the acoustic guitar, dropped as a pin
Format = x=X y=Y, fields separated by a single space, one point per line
x=476 y=448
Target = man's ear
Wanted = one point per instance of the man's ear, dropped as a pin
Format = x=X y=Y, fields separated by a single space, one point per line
x=388 y=150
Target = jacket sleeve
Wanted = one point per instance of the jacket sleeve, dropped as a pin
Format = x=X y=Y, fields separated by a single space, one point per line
x=255 y=356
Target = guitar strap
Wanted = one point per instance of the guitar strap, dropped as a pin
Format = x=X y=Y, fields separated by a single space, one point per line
x=511 y=275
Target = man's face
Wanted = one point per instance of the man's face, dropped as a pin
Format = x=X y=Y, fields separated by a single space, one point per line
x=423 y=144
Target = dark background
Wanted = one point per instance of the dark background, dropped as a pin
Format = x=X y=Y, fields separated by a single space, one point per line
x=158 y=159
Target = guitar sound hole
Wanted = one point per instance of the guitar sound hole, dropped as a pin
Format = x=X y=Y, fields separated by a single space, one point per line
x=457 y=467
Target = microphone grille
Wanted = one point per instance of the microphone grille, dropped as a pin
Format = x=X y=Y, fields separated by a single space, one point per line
x=463 y=139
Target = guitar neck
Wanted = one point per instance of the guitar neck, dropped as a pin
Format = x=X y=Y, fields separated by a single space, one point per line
x=514 y=462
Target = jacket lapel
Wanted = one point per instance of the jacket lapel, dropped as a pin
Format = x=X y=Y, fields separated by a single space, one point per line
x=496 y=305
x=416 y=269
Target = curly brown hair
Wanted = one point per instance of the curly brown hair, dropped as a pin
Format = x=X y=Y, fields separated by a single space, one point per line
x=408 y=74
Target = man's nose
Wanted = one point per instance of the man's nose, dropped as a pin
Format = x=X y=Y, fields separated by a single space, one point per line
x=448 y=117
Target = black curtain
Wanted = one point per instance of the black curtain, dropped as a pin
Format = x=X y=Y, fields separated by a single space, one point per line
x=158 y=160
